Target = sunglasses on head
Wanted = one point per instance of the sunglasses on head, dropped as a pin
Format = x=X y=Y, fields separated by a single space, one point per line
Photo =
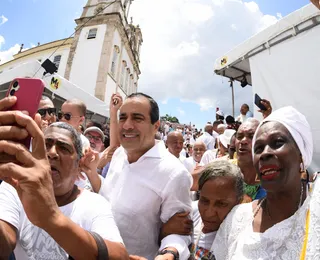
x=51 y=111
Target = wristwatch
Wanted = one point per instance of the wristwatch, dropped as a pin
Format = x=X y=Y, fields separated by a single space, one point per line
x=165 y=251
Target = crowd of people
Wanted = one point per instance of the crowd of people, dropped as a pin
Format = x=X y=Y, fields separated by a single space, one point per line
x=133 y=189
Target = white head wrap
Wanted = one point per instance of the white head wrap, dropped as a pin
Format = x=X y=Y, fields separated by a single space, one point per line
x=298 y=126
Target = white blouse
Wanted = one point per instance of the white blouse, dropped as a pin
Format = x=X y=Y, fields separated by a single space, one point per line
x=236 y=239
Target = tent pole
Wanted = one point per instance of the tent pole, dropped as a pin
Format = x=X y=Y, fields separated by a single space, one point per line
x=232 y=91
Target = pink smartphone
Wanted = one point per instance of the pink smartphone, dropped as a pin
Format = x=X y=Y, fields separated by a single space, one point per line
x=28 y=92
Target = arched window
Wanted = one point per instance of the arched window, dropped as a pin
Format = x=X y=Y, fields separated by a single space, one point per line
x=92 y=33
x=131 y=84
x=127 y=82
x=114 y=62
x=56 y=60
x=123 y=74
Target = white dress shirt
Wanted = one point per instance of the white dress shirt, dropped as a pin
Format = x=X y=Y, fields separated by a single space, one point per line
x=208 y=157
x=190 y=164
x=208 y=140
x=145 y=193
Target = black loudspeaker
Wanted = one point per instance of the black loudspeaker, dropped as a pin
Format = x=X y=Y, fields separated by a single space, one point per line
x=49 y=66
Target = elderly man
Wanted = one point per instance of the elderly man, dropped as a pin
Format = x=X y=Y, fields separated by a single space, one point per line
x=96 y=138
x=43 y=215
x=199 y=149
x=175 y=144
x=137 y=183
x=207 y=137
x=221 y=128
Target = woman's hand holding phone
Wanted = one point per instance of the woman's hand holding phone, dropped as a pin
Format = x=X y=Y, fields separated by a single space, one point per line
x=267 y=105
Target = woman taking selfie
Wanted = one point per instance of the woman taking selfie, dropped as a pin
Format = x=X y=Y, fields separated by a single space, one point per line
x=277 y=226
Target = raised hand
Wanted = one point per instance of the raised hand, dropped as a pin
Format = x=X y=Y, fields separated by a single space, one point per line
x=30 y=175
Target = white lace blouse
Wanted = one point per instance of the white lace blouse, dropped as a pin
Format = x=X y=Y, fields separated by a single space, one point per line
x=236 y=240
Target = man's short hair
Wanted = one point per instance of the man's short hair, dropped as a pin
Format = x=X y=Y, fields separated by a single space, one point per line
x=75 y=137
x=247 y=106
x=154 y=108
x=80 y=104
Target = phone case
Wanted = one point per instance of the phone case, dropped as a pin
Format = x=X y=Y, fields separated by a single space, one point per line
x=257 y=101
x=28 y=92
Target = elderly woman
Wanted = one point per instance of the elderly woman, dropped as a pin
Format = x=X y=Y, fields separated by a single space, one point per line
x=277 y=226
x=221 y=188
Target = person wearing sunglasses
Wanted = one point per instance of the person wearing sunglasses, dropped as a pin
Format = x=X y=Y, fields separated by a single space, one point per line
x=73 y=112
x=96 y=138
x=47 y=111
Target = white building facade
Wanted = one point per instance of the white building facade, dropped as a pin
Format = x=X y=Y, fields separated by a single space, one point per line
x=103 y=56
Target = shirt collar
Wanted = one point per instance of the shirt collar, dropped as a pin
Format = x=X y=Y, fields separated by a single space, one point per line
x=157 y=151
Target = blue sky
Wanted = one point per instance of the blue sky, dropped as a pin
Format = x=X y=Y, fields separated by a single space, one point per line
x=33 y=21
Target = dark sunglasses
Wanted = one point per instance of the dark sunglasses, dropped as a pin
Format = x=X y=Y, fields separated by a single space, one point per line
x=67 y=116
x=51 y=111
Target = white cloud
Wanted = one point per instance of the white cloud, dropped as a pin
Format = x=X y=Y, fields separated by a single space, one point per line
x=7 y=55
x=182 y=39
x=2 y=41
x=3 y=19
x=279 y=15
x=187 y=49
x=181 y=111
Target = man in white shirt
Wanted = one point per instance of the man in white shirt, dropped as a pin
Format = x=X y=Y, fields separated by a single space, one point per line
x=175 y=144
x=199 y=149
x=146 y=185
x=43 y=215
x=245 y=113
x=207 y=137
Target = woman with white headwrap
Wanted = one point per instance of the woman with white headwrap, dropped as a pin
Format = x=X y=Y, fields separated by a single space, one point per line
x=277 y=226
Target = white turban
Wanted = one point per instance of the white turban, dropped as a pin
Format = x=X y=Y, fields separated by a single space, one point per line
x=298 y=126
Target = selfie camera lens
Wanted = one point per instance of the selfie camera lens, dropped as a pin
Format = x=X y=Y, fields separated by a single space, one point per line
x=15 y=84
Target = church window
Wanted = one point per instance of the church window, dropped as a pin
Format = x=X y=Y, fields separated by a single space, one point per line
x=131 y=84
x=92 y=33
x=127 y=81
x=123 y=74
x=114 y=60
x=56 y=60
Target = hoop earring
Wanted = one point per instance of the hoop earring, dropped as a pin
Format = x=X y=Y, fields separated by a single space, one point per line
x=304 y=173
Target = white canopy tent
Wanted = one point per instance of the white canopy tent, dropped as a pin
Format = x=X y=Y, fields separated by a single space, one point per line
x=282 y=65
x=57 y=85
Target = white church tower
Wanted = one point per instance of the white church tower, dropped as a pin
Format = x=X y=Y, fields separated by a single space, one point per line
x=104 y=55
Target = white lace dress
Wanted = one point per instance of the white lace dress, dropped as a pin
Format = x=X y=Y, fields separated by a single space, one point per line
x=236 y=240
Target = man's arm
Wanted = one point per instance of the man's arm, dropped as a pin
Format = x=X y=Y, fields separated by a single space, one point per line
x=176 y=198
x=8 y=239
x=72 y=237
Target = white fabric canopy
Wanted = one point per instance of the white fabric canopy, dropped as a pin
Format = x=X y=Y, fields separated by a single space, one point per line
x=65 y=89
x=235 y=63
x=286 y=73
